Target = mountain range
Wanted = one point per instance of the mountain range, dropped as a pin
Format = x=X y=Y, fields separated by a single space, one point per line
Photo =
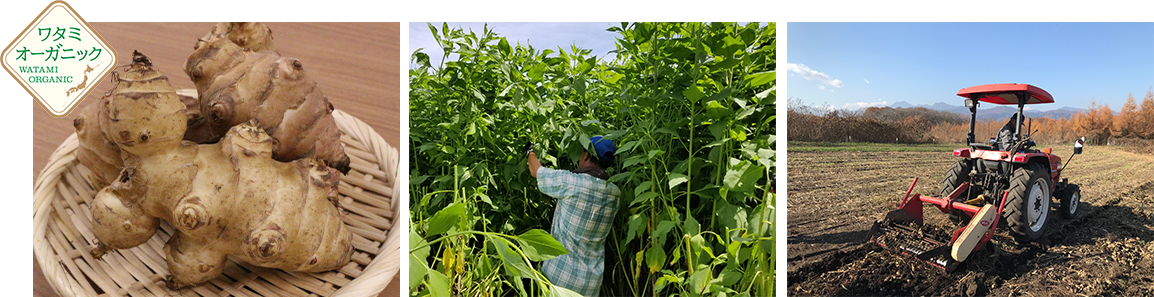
x=996 y=112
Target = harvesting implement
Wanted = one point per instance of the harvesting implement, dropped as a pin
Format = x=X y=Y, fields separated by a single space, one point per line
x=1005 y=182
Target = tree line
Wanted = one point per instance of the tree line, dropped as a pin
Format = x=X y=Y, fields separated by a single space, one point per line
x=1098 y=123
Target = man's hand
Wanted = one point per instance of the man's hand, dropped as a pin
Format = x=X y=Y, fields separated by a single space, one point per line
x=533 y=164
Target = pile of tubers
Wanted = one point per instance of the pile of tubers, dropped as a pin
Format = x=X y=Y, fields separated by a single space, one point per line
x=248 y=168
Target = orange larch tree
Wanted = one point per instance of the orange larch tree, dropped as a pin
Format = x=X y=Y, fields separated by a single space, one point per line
x=1124 y=122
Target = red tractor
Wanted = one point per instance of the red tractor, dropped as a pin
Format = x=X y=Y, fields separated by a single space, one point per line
x=1005 y=180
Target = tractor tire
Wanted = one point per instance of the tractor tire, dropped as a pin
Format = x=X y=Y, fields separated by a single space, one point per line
x=1070 y=197
x=958 y=174
x=1028 y=205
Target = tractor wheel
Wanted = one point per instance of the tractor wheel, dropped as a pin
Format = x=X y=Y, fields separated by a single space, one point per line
x=958 y=174
x=1070 y=198
x=1028 y=205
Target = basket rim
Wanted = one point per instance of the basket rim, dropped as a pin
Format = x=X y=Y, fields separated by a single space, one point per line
x=375 y=277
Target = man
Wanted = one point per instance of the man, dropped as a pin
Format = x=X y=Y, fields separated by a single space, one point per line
x=1006 y=134
x=586 y=206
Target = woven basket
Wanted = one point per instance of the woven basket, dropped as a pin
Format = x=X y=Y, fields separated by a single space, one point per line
x=63 y=239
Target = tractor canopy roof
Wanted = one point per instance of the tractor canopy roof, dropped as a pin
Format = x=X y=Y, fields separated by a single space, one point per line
x=1007 y=93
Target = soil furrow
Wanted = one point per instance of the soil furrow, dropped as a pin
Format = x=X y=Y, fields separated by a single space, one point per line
x=1107 y=250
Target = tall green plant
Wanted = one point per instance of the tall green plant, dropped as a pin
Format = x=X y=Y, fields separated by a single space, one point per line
x=691 y=106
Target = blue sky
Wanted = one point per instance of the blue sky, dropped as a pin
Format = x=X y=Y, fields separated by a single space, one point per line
x=850 y=65
x=541 y=35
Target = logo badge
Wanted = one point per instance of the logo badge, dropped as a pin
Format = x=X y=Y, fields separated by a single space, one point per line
x=58 y=58
x=984 y=223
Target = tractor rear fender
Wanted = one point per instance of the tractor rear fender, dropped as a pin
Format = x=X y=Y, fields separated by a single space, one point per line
x=1055 y=167
x=1052 y=162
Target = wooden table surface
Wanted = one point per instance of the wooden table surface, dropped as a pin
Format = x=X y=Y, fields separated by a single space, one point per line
x=357 y=65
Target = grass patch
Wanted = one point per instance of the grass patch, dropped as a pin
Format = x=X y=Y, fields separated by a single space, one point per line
x=804 y=146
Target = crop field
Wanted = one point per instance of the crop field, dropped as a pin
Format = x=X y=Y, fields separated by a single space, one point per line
x=834 y=196
x=690 y=107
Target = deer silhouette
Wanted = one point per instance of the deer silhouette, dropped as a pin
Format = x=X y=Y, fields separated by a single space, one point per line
x=82 y=84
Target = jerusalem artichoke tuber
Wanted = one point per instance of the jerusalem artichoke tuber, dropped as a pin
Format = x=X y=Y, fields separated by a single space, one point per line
x=236 y=84
x=287 y=103
x=253 y=36
x=95 y=150
x=227 y=198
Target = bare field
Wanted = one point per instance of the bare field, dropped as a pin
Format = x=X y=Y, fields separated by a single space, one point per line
x=834 y=198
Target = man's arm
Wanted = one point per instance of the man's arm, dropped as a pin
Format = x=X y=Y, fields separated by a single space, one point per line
x=534 y=164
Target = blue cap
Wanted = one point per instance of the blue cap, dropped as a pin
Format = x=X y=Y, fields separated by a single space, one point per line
x=602 y=146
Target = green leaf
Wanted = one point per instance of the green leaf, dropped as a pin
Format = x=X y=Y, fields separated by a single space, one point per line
x=760 y=220
x=445 y=219
x=643 y=198
x=537 y=72
x=730 y=216
x=663 y=228
x=613 y=77
x=737 y=134
x=504 y=46
x=505 y=91
x=644 y=186
x=421 y=58
x=743 y=176
x=438 y=283
x=479 y=96
x=724 y=64
x=716 y=111
x=716 y=143
x=676 y=179
x=514 y=264
x=766 y=94
x=637 y=224
x=620 y=176
x=417 y=271
x=540 y=246
x=579 y=86
x=417 y=258
x=720 y=95
x=633 y=160
x=761 y=78
x=718 y=130
x=765 y=157
x=627 y=146
x=745 y=112
x=691 y=226
x=699 y=279
x=655 y=258
x=556 y=291
x=728 y=277
x=484 y=198
x=731 y=45
x=693 y=93
x=697 y=242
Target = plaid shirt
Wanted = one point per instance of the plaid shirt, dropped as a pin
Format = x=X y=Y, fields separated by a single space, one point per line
x=585 y=210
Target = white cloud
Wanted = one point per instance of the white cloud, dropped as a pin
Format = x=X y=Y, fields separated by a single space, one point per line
x=821 y=87
x=860 y=105
x=866 y=80
x=810 y=74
